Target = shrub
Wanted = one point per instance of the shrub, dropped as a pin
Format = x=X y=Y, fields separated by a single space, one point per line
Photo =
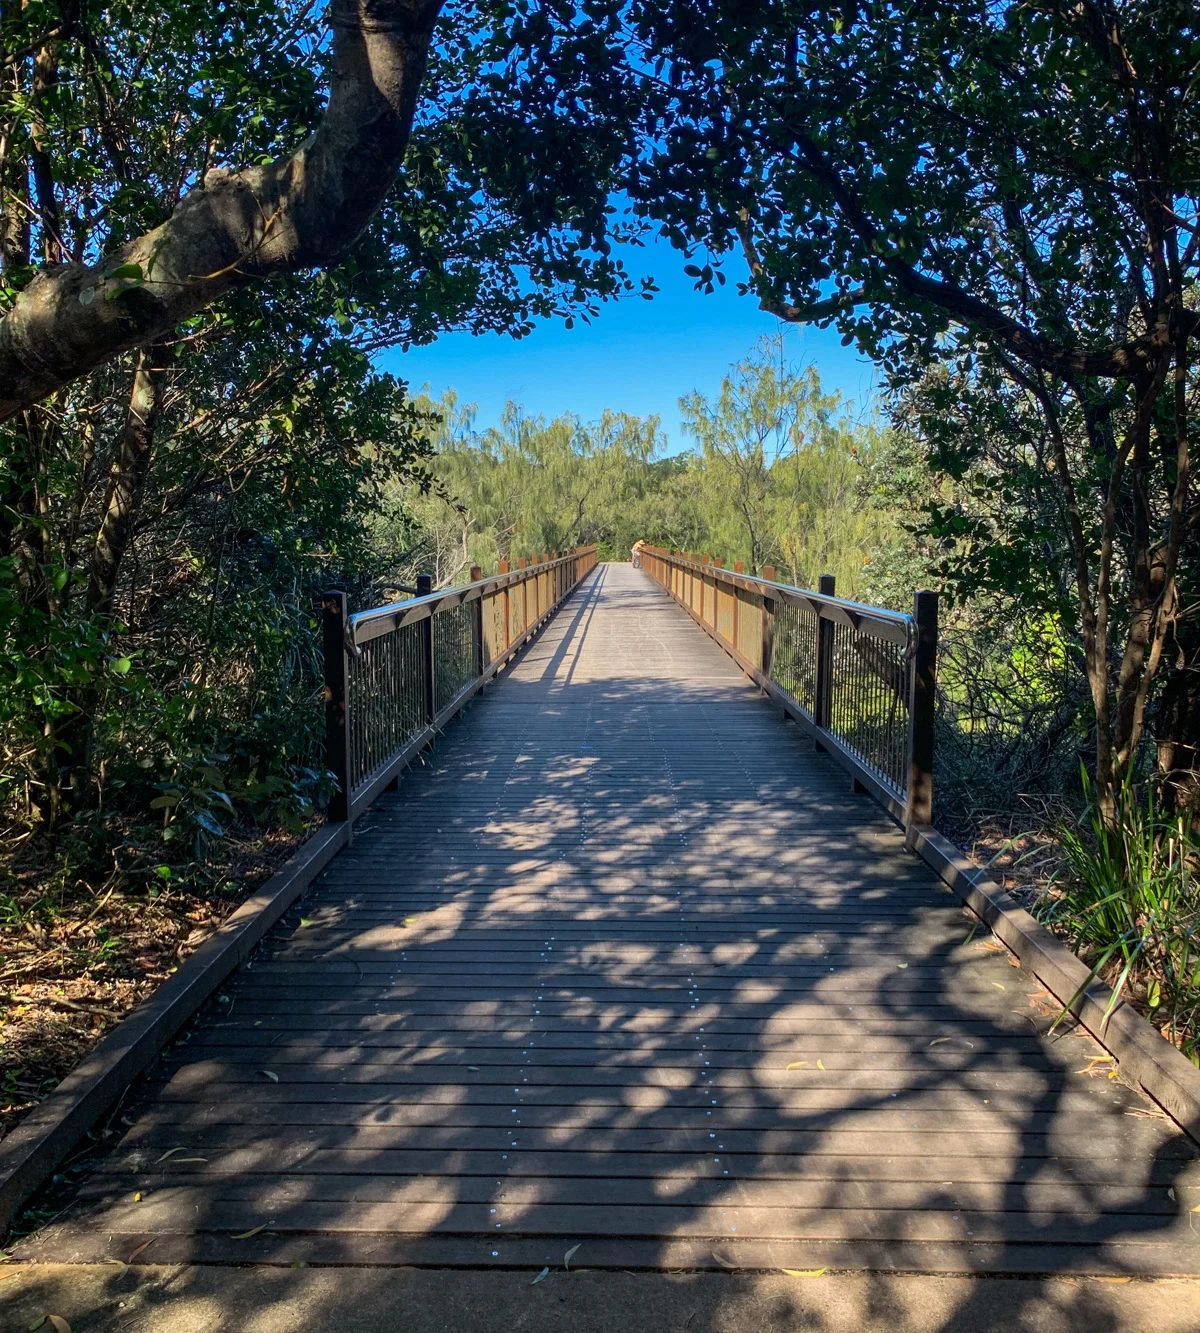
x=1127 y=897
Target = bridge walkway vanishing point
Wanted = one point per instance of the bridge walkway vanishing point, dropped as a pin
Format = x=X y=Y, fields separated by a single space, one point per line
x=626 y=973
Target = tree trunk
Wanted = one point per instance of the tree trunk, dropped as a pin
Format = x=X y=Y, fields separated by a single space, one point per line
x=131 y=463
x=72 y=760
x=1177 y=725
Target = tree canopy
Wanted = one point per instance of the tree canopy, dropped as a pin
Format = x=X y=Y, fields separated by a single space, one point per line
x=999 y=204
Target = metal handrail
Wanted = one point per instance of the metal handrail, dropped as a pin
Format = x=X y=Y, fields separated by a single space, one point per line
x=830 y=605
x=361 y=625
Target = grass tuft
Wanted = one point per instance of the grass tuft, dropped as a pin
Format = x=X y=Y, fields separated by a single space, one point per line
x=1126 y=896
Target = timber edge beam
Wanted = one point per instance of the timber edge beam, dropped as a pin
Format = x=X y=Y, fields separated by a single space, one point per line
x=1160 y=1069
x=32 y=1152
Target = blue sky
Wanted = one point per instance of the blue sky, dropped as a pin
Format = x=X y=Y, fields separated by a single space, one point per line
x=637 y=356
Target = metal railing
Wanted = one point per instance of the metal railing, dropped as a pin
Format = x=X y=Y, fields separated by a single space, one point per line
x=395 y=674
x=860 y=677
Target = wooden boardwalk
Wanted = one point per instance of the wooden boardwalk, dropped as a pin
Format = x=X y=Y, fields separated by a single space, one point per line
x=626 y=972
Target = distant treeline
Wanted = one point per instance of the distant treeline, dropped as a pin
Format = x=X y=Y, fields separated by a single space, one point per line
x=775 y=471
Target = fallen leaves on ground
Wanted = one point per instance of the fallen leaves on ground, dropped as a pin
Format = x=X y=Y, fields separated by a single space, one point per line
x=1098 y=1065
x=76 y=964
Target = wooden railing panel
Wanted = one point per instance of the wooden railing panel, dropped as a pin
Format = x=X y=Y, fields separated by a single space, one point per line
x=749 y=625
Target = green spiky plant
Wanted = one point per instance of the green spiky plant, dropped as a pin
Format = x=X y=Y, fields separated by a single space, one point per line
x=1127 y=896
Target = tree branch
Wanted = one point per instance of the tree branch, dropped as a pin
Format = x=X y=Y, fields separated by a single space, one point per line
x=1112 y=362
x=238 y=227
x=791 y=314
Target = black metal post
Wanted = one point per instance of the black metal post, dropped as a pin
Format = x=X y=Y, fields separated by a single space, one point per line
x=424 y=588
x=823 y=685
x=477 y=623
x=337 y=701
x=918 y=807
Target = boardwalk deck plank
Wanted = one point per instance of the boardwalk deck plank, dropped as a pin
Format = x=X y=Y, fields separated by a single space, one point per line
x=626 y=964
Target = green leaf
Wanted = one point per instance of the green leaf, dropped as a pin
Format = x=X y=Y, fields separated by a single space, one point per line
x=127 y=273
x=209 y=824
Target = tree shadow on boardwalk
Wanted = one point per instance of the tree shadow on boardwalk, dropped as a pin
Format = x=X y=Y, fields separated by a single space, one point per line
x=625 y=967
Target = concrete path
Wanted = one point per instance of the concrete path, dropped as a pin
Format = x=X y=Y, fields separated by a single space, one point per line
x=153 y=1299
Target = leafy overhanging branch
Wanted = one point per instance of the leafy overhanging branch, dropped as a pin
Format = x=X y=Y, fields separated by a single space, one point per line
x=1114 y=361
x=238 y=227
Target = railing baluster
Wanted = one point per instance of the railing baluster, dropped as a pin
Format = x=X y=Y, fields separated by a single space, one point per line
x=738 y=568
x=823 y=693
x=477 y=626
x=523 y=563
x=424 y=588
x=507 y=609
x=768 y=624
x=919 y=805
